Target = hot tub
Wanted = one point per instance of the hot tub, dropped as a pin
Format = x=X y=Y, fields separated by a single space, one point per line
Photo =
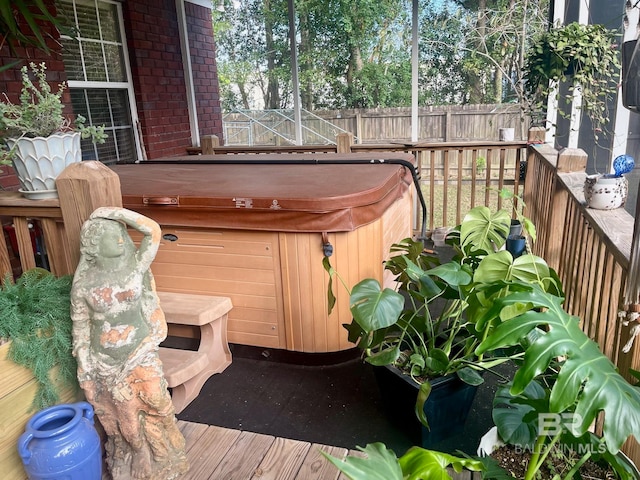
x=258 y=232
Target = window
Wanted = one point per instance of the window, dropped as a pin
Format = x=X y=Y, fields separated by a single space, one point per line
x=98 y=76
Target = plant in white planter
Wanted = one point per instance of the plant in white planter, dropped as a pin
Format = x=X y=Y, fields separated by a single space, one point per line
x=40 y=141
x=609 y=191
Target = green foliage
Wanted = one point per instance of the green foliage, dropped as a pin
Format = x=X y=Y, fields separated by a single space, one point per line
x=36 y=318
x=39 y=113
x=516 y=416
x=582 y=381
x=588 y=56
x=401 y=328
x=587 y=383
x=357 y=53
x=484 y=230
x=416 y=464
x=21 y=24
x=481 y=164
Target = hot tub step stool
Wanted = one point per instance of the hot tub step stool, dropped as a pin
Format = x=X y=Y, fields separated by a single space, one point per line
x=186 y=371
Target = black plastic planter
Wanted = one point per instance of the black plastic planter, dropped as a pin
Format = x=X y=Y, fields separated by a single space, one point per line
x=446 y=408
x=516 y=246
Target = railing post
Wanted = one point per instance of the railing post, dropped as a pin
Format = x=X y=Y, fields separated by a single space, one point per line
x=572 y=160
x=359 y=126
x=536 y=135
x=344 y=142
x=208 y=143
x=5 y=262
x=569 y=160
x=83 y=187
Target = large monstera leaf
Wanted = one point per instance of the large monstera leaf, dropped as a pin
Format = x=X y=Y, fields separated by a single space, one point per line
x=483 y=229
x=416 y=464
x=374 y=308
x=502 y=266
x=587 y=382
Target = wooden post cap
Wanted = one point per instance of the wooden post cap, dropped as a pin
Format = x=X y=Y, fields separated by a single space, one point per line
x=572 y=160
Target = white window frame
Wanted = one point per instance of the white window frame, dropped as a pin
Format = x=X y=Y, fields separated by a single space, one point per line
x=135 y=122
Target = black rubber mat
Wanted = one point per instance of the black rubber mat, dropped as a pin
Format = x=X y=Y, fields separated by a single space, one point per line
x=335 y=404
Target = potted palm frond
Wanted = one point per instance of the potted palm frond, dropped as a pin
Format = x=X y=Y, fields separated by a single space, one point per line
x=40 y=141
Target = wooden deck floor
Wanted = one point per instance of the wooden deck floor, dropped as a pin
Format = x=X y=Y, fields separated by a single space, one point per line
x=217 y=453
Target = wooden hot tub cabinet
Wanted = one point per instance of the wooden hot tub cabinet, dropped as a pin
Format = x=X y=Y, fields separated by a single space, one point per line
x=255 y=233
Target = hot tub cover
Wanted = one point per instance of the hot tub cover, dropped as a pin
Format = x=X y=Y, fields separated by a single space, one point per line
x=273 y=197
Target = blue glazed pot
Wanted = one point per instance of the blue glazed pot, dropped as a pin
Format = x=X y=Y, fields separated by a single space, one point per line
x=61 y=443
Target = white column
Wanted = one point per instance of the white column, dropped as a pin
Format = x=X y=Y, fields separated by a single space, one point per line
x=294 y=73
x=552 y=102
x=188 y=73
x=414 y=71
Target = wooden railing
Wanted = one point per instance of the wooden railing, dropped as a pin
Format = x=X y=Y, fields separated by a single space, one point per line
x=589 y=249
x=82 y=187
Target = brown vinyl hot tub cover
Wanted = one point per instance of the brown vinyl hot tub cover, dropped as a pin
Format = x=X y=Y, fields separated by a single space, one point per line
x=289 y=198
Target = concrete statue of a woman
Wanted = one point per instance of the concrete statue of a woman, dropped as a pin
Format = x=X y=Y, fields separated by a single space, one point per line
x=117 y=327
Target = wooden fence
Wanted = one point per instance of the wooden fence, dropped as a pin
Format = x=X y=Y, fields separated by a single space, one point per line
x=590 y=250
x=453 y=123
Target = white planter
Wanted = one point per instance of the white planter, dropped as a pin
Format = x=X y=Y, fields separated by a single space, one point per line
x=506 y=134
x=439 y=235
x=38 y=161
x=605 y=192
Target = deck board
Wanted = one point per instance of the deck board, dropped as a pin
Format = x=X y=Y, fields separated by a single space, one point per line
x=282 y=461
x=217 y=453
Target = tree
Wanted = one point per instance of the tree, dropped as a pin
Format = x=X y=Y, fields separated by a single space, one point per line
x=253 y=54
x=442 y=39
x=356 y=53
x=496 y=46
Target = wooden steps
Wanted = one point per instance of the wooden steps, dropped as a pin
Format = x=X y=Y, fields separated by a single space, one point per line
x=186 y=371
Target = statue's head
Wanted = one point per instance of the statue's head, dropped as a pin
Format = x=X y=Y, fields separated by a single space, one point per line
x=101 y=237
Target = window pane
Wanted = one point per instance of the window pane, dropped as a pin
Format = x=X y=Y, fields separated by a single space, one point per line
x=109 y=22
x=126 y=146
x=119 y=101
x=115 y=62
x=94 y=62
x=87 y=20
x=108 y=108
x=98 y=56
x=72 y=59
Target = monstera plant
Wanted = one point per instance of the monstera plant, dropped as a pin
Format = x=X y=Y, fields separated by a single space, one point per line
x=563 y=375
x=427 y=327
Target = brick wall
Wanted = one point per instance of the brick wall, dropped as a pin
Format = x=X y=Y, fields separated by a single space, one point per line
x=157 y=72
x=157 y=69
x=205 y=72
x=158 y=77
